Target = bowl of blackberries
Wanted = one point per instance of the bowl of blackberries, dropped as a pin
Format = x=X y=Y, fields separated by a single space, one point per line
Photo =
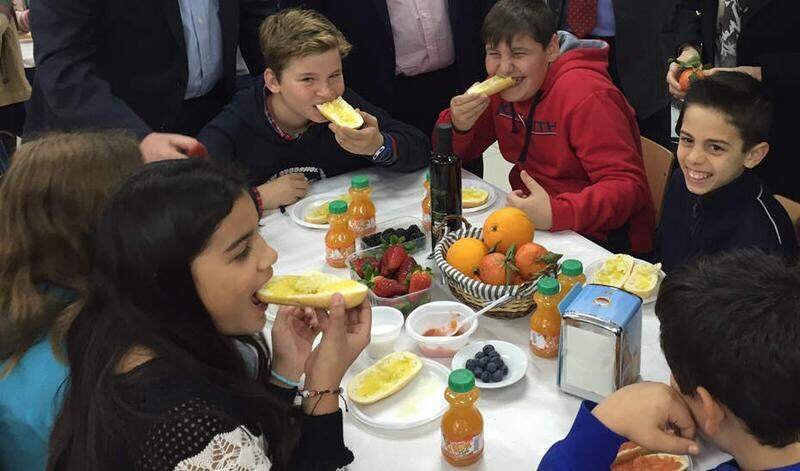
x=495 y=363
x=391 y=231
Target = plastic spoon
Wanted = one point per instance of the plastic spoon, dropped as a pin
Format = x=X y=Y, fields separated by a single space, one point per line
x=454 y=329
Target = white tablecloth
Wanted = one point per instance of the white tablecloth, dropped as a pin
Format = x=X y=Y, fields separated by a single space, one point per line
x=521 y=421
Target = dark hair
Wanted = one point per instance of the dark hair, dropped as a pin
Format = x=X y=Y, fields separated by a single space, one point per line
x=509 y=18
x=143 y=294
x=731 y=324
x=740 y=98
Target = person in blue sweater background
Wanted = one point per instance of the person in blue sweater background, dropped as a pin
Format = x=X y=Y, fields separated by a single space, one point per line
x=714 y=201
x=274 y=132
x=729 y=332
x=49 y=200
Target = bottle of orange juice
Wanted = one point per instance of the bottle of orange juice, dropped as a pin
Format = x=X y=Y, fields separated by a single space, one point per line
x=462 y=424
x=571 y=275
x=340 y=240
x=362 y=210
x=546 y=320
x=426 y=204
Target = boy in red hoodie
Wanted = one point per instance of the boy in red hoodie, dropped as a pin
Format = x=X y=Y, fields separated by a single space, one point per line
x=569 y=132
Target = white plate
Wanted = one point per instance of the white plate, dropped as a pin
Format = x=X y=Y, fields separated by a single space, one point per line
x=420 y=402
x=299 y=209
x=513 y=357
x=477 y=183
x=594 y=267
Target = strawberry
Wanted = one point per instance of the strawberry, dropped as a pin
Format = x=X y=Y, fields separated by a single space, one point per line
x=419 y=281
x=392 y=258
x=406 y=268
x=366 y=266
x=387 y=287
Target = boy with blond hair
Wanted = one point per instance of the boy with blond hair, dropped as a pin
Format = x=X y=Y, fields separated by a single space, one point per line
x=275 y=132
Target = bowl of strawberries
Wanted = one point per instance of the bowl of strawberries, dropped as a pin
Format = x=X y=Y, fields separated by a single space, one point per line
x=397 y=273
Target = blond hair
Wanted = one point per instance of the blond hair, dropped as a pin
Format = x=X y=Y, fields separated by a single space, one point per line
x=50 y=197
x=294 y=33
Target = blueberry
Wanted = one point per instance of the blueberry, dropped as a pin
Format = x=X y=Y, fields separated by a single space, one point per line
x=471 y=364
x=488 y=349
x=478 y=371
x=479 y=355
x=499 y=362
x=497 y=376
x=486 y=377
x=483 y=362
x=494 y=356
x=505 y=370
x=491 y=367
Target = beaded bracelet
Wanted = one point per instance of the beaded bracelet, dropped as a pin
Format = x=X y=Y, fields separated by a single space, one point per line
x=286 y=381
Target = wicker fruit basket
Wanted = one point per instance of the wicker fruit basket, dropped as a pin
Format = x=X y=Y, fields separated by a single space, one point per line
x=477 y=294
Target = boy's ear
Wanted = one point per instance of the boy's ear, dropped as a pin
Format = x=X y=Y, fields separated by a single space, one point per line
x=271 y=81
x=553 y=49
x=756 y=154
x=713 y=412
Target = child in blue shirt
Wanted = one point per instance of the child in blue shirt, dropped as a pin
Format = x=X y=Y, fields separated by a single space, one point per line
x=729 y=331
x=51 y=196
x=714 y=202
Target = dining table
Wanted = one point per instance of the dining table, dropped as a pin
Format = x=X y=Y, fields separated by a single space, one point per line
x=521 y=421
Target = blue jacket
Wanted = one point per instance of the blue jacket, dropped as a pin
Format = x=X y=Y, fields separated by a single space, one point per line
x=243 y=135
x=741 y=214
x=590 y=445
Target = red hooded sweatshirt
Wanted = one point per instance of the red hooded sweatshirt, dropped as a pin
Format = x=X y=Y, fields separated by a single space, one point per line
x=584 y=148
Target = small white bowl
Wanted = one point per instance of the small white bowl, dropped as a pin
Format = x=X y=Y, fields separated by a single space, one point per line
x=513 y=357
x=387 y=323
x=437 y=314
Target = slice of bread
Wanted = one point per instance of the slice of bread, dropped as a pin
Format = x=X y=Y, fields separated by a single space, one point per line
x=387 y=376
x=342 y=113
x=313 y=289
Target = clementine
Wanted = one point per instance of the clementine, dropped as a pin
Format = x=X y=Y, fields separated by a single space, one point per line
x=506 y=227
x=494 y=269
x=531 y=259
x=465 y=255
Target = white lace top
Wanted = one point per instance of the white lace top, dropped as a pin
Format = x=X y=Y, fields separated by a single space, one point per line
x=237 y=450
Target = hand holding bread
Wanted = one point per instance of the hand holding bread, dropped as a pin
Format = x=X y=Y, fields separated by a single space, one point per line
x=363 y=141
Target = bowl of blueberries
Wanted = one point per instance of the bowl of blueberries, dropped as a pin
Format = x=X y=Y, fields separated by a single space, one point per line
x=494 y=363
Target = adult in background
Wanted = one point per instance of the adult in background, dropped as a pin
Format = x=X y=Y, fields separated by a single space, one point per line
x=410 y=57
x=634 y=30
x=160 y=69
x=754 y=37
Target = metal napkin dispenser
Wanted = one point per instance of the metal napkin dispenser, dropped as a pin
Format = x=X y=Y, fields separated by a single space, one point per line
x=601 y=341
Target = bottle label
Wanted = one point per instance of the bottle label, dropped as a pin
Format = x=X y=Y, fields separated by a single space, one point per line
x=362 y=227
x=547 y=344
x=460 y=450
x=336 y=257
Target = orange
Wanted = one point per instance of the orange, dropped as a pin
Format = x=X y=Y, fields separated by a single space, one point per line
x=530 y=259
x=465 y=255
x=505 y=227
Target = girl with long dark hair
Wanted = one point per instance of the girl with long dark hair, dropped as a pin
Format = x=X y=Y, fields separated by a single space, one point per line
x=169 y=368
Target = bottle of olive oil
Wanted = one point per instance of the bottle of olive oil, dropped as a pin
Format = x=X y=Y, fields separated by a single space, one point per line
x=445 y=182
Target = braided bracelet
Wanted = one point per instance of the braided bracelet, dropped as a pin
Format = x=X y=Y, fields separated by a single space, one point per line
x=310 y=393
